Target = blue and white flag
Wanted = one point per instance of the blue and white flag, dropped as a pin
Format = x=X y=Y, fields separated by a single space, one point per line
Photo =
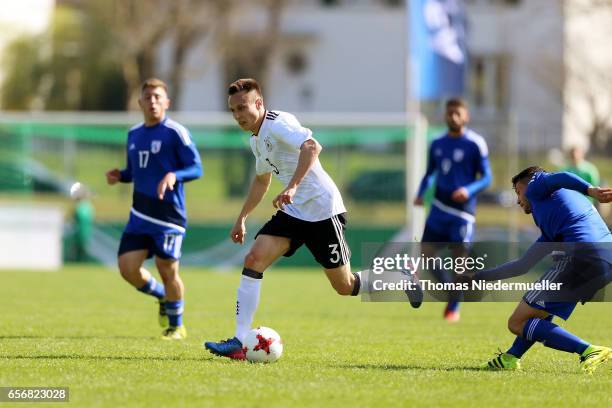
x=437 y=48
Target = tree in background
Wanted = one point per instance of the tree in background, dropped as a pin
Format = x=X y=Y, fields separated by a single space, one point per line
x=98 y=52
x=65 y=69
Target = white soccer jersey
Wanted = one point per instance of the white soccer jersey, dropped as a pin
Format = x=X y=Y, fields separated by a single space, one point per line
x=277 y=150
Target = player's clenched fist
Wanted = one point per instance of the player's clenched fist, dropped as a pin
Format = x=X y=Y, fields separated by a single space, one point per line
x=238 y=232
x=113 y=176
x=285 y=197
x=167 y=183
x=601 y=194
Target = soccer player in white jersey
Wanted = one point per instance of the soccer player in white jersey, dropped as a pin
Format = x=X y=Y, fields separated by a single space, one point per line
x=310 y=208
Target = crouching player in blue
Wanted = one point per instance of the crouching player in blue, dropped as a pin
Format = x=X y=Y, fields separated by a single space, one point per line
x=564 y=215
x=160 y=157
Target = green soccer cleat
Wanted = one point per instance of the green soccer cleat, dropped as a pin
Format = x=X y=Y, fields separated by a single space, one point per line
x=504 y=361
x=174 y=333
x=593 y=357
x=162 y=317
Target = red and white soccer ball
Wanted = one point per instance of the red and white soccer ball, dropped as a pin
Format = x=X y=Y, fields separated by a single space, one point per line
x=263 y=345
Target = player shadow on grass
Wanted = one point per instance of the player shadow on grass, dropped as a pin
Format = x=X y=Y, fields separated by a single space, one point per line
x=103 y=358
x=401 y=367
x=89 y=337
x=26 y=337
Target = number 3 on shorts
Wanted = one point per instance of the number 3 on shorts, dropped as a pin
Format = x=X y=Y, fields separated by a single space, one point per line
x=335 y=254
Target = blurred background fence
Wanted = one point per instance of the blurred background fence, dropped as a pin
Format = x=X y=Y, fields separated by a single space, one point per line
x=66 y=64
x=44 y=154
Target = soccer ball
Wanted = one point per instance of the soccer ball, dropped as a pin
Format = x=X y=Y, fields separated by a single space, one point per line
x=263 y=345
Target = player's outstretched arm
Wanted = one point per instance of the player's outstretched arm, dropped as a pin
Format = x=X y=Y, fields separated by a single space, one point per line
x=544 y=184
x=259 y=187
x=520 y=266
x=309 y=151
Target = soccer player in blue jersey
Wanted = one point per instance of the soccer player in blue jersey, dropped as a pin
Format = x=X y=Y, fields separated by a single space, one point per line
x=161 y=157
x=564 y=215
x=459 y=163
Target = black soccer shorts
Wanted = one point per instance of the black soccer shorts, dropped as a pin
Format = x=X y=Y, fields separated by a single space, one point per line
x=325 y=239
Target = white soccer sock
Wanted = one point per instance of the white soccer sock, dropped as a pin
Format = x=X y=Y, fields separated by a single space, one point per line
x=246 y=303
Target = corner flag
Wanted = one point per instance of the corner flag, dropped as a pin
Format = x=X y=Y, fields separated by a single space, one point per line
x=437 y=48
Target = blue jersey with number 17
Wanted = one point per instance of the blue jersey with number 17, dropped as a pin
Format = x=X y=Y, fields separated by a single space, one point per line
x=152 y=152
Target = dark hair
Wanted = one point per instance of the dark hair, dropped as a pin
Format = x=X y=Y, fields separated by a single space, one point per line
x=526 y=174
x=154 y=83
x=456 y=103
x=244 y=84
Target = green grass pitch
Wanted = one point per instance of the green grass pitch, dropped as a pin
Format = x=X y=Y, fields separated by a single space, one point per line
x=85 y=328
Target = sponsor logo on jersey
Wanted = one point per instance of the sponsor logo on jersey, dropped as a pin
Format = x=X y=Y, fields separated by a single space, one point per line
x=155 y=146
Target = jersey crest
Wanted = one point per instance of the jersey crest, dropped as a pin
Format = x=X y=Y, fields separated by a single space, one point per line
x=458 y=155
x=155 y=146
x=268 y=143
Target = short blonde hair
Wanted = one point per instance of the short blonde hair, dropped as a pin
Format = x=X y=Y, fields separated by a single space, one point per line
x=154 y=83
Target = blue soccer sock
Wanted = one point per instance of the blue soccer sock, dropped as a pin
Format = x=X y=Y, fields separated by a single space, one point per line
x=453 y=306
x=520 y=345
x=153 y=288
x=454 y=298
x=553 y=336
x=174 y=310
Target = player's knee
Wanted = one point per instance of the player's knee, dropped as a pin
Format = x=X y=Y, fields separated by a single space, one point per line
x=167 y=273
x=130 y=271
x=515 y=325
x=253 y=260
x=125 y=269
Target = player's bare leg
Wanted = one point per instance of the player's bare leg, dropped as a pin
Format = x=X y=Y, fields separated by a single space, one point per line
x=169 y=272
x=347 y=283
x=173 y=303
x=342 y=280
x=520 y=316
x=265 y=251
x=130 y=267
